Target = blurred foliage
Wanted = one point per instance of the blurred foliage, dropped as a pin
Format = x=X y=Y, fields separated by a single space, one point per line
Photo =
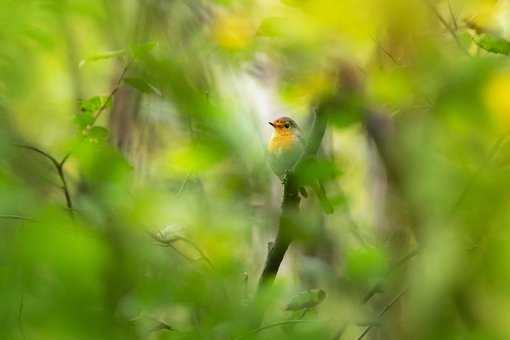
x=135 y=198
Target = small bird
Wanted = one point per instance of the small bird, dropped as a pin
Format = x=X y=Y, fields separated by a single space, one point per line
x=284 y=150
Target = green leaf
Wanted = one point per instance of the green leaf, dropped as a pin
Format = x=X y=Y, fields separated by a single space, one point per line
x=88 y=109
x=306 y=300
x=98 y=134
x=366 y=265
x=102 y=56
x=139 y=51
x=141 y=85
x=314 y=169
x=493 y=43
x=84 y=119
x=91 y=105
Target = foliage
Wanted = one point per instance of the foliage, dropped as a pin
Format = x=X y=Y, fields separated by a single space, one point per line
x=135 y=197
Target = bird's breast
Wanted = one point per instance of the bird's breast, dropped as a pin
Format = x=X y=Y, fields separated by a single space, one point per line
x=282 y=142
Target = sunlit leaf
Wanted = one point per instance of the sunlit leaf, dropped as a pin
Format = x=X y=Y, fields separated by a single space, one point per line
x=102 y=56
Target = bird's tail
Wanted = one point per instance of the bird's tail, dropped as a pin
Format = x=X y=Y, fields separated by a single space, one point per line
x=320 y=191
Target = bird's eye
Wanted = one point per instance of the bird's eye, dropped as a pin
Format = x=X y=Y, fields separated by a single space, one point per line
x=287 y=125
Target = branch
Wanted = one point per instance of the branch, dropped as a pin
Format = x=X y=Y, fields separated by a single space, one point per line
x=110 y=96
x=52 y=159
x=59 y=167
x=169 y=242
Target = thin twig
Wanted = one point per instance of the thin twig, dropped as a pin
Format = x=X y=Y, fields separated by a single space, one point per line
x=16 y=217
x=448 y=27
x=114 y=91
x=59 y=167
x=197 y=248
x=452 y=16
x=377 y=288
x=381 y=314
x=386 y=52
x=493 y=151
x=180 y=253
x=52 y=159
x=20 y=316
x=170 y=242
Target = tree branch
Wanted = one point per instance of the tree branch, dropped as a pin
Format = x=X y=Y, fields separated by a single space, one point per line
x=59 y=167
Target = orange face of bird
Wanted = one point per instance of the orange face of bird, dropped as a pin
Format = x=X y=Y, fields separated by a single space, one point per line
x=286 y=135
x=284 y=126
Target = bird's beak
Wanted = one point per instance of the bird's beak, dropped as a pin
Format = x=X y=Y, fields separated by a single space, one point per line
x=271 y=124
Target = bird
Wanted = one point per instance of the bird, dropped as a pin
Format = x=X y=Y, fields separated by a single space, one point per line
x=284 y=149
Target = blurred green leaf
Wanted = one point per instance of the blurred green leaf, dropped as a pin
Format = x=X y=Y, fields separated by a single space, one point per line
x=492 y=43
x=314 y=169
x=88 y=109
x=139 y=51
x=366 y=265
x=84 y=119
x=141 y=85
x=97 y=134
x=92 y=105
x=102 y=56
x=306 y=300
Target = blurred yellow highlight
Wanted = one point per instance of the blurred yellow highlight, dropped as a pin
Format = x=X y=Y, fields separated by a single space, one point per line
x=233 y=31
x=497 y=99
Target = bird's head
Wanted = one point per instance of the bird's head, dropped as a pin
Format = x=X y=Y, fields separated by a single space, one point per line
x=285 y=125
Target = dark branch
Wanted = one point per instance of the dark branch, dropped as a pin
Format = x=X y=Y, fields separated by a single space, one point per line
x=59 y=167
x=52 y=159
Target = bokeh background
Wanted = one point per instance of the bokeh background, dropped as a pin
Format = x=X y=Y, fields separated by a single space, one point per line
x=135 y=197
